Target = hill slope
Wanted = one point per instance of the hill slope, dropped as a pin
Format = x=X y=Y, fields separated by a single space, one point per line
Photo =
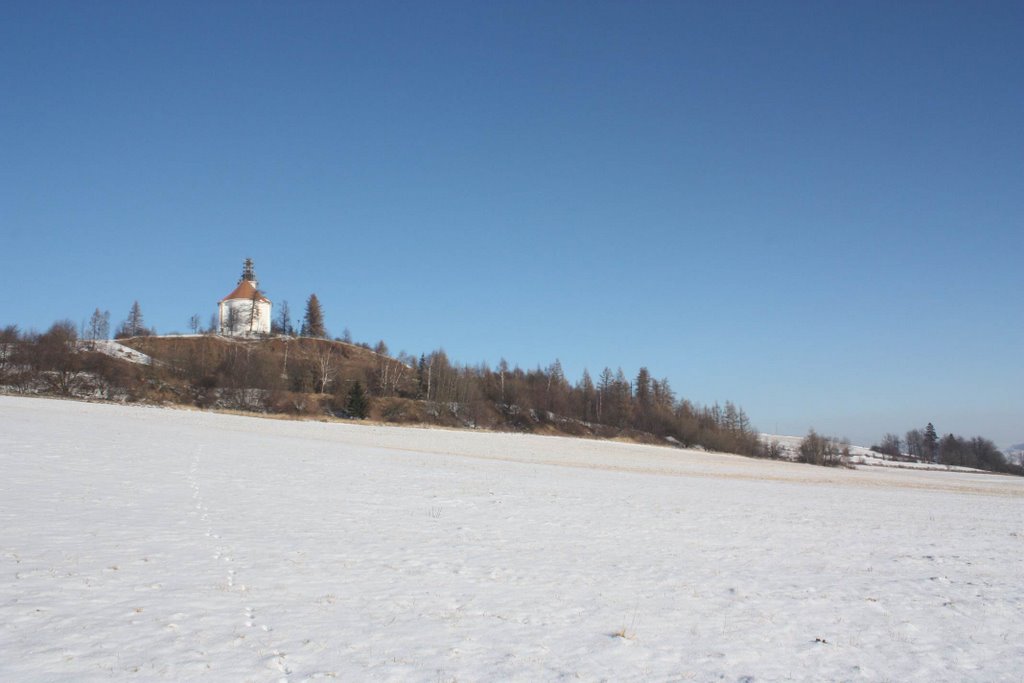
x=312 y=377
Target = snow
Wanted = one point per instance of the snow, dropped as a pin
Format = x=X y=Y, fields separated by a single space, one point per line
x=792 y=444
x=864 y=456
x=154 y=544
x=118 y=350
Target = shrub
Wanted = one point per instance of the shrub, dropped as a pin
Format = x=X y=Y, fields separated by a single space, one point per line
x=817 y=449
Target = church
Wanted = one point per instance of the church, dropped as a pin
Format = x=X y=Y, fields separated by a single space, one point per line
x=245 y=312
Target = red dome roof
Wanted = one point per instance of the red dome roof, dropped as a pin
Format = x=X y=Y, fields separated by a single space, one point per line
x=245 y=290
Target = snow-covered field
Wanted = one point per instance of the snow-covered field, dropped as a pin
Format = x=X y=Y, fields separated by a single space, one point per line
x=172 y=545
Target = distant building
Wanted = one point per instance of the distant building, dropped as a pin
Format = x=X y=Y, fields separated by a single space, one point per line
x=245 y=311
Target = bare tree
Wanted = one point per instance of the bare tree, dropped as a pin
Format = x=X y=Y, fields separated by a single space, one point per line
x=9 y=336
x=133 y=326
x=254 y=311
x=99 y=326
x=587 y=397
x=822 y=450
x=323 y=358
x=57 y=356
x=502 y=373
x=891 y=445
x=283 y=324
x=232 y=322
x=915 y=444
x=605 y=391
x=194 y=323
x=389 y=375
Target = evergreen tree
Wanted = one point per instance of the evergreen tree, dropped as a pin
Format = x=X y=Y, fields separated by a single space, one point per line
x=423 y=377
x=313 y=322
x=357 y=405
x=931 y=443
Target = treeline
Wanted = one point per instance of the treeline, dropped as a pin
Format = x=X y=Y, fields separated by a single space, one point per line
x=312 y=376
x=641 y=404
x=925 y=445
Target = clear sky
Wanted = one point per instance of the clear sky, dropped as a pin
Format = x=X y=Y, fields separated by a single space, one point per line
x=815 y=210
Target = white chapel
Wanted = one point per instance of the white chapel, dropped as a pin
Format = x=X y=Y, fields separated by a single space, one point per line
x=245 y=311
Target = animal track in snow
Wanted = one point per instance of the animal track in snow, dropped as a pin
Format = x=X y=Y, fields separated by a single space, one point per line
x=278 y=661
x=223 y=555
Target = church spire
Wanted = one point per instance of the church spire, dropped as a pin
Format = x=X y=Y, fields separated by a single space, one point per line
x=248 y=273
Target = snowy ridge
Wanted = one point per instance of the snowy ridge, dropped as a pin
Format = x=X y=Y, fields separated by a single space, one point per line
x=150 y=544
x=114 y=349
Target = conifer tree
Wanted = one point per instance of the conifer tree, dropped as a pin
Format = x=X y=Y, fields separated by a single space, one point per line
x=931 y=443
x=313 y=321
x=357 y=405
x=133 y=326
x=423 y=377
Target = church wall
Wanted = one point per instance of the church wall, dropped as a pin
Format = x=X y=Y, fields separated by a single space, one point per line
x=242 y=308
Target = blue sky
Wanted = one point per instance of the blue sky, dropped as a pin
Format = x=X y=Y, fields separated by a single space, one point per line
x=815 y=210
